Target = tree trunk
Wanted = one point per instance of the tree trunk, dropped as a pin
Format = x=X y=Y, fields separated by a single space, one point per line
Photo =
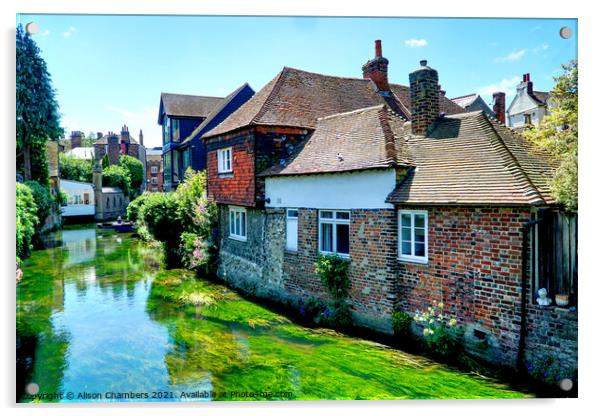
x=26 y=163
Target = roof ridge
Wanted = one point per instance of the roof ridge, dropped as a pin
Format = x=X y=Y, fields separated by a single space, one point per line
x=519 y=169
x=464 y=96
x=191 y=95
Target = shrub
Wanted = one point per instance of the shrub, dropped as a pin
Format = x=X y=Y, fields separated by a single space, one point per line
x=135 y=170
x=195 y=251
x=548 y=369
x=117 y=176
x=159 y=215
x=333 y=274
x=134 y=207
x=26 y=219
x=440 y=332
x=402 y=323
x=43 y=200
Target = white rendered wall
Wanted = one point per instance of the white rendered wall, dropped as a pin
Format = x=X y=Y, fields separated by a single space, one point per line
x=356 y=190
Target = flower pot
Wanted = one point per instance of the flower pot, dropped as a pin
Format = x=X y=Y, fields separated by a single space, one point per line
x=562 y=300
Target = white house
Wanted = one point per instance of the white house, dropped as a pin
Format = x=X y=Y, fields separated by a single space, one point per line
x=528 y=106
x=86 y=153
x=80 y=198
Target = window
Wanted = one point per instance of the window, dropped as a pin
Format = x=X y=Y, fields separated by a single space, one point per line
x=224 y=160
x=154 y=169
x=238 y=223
x=413 y=236
x=165 y=129
x=167 y=167
x=527 y=118
x=333 y=232
x=86 y=198
x=292 y=229
x=154 y=181
x=175 y=130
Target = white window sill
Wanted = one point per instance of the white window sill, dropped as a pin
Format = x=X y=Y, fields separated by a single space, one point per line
x=418 y=260
x=330 y=253
x=238 y=238
x=225 y=171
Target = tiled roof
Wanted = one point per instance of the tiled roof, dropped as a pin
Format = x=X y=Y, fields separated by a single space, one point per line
x=541 y=96
x=298 y=98
x=216 y=110
x=472 y=159
x=465 y=100
x=104 y=139
x=356 y=140
x=188 y=105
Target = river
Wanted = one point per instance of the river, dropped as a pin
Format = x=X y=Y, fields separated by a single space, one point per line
x=99 y=319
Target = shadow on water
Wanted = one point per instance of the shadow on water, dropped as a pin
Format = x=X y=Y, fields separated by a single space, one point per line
x=97 y=314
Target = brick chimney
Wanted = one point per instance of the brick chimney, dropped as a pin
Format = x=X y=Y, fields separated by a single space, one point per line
x=141 y=138
x=125 y=134
x=376 y=69
x=76 y=139
x=98 y=135
x=424 y=95
x=499 y=106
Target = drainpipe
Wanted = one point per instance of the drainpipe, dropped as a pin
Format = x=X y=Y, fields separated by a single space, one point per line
x=523 y=296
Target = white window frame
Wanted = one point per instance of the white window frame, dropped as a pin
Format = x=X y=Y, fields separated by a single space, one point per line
x=154 y=169
x=235 y=213
x=154 y=180
x=412 y=257
x=224 y=160
x=294 y=221
x=334 y=221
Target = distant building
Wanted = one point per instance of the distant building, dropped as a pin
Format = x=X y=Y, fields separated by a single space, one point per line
x=528 y=107
x=80 y=199
x=114 y=146
x=473 y=102
x=85 y=153
x=154 y=169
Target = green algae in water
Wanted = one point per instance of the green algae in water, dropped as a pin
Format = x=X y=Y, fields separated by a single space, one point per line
x=105 y=317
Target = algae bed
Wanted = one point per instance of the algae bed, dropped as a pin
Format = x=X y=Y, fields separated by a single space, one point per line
x=98 y=319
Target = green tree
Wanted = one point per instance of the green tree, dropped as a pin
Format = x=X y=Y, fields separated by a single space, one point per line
x=135 y=169
x=38 y=118
x=117 y=176
x=557 y=134
x=75 y=169
x=26 y=219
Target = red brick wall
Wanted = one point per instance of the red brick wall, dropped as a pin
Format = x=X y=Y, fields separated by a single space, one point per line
x=238 y=187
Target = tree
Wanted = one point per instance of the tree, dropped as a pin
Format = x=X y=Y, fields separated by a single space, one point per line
x=37 y=109
x=557 y=134
x=75 y=169
x=117 y=176
x=135 y=169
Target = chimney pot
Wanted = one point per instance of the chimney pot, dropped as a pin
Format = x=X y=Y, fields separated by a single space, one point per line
x=423 y=62
x=378 y=49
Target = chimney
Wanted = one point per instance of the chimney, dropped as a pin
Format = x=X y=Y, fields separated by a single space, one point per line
x=441 y=91
x=98 y=135
x=529 y=84
x=376 y=69
x=499 y=106
x=424 y=95
x=141 y=138
x=76 y=139
x=125 y=134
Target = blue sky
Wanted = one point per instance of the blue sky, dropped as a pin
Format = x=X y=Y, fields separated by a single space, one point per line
x=110 y=70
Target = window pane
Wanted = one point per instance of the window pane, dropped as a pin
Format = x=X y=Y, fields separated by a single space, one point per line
x=231 y=222
x=419 y=235
x=292 y=213
x=243 y=224
x=325 y=214
x=291 y=234
x=406 y=234
x=419 y=220
x=406 y=248
x=342 y=215
x=343 y=238
x=406 y=220
x=419 y=249
x=326 y=237
x=237 y=215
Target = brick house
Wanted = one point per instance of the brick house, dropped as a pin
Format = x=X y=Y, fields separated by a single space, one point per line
x=426 y=201
x=114 y=146
x=154 y=170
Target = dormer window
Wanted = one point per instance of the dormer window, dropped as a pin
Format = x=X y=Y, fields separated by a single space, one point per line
x=224 y=160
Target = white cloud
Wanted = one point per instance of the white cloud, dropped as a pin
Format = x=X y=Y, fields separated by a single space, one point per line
x=46 y=33
x=535 y=28
x=541 y=48
x=512 y=56
x=69 y=32
x=416 y=43
x=145 y=119
x=507 y=85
